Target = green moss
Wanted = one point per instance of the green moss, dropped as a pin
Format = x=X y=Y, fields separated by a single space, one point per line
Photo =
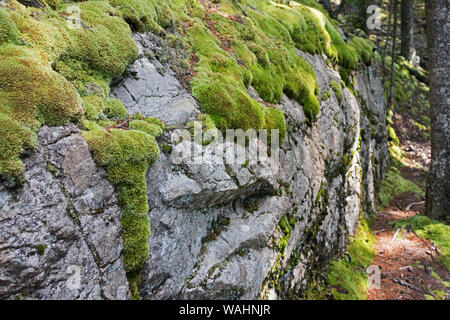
x=15 y=140
x=149 y=128
x=141 y=15
x=106 y=46
x=326 y=95
x=54 y=4
x=40 y=249
x=347 y=56
x=286 y=226
x=432 y=230
x=393 y=136
x=114 y=109
x=31 y=94
x=126 y=156
x=348 y=279
x=133 y=279
x=9 y=33
x=407 y=88
x=336 y=87
x=363 y=47
x=93 y=107
x=394 y=184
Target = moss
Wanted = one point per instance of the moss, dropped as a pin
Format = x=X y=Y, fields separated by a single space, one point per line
x=133 y=279
x=31 y=94
x=126 y=156
x=149 y=128
x=54 y=4
x=348 y=279
x=326 y=95
x=286 y=227
x=396 y=155
x=166 y=148
x=114 y=109
x=394 y=184
x=141 y=15
x=40 y=249
x=393 y=136
x=347 y=56
x=364 y=49
x=217 y=227
x=93 y=107
x=432 y=230
x=336 y=87
x=9 y=33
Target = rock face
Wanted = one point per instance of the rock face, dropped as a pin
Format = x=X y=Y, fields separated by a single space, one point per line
x=60 y=232
x=152 y=89
x=215 y=226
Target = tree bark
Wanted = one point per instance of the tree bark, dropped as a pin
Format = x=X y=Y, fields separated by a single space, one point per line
x=438 y=37
x=388 y=34
x=394 y=37
x=406 y=17
x=326 y=5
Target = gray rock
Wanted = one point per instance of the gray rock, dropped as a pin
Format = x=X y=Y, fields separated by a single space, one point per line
x=215 y=225
x=195 y=255
x=60 y=232
x=152 y=90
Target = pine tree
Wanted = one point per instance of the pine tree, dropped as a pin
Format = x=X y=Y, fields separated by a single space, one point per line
x=438 y=38
x=406 y=17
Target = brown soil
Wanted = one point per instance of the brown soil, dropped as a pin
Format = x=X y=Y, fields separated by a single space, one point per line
x=406 y=258
x=395 y=256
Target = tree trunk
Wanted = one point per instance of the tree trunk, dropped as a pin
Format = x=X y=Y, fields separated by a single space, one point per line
x=438 y=36
x=326 y=5
x=388 y=34
x=394 y=37
x=407 y=14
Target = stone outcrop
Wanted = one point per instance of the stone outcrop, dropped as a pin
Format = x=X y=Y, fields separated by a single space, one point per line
x=215 y=227
x=60 y=232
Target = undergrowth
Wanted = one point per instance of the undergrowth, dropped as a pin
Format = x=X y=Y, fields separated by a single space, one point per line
x=432 y=230
x=346 y=278
x=57 y=68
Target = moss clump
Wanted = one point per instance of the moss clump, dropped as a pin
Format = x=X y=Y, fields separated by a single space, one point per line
x=93 y=107
x=336 y=87
x=126 y=156
x=393 y=136
x=141 y=15
x=286 y=226
x=114 y=109
x=97 y=108
x=394 y=184
x=326 y=95
x=432 y=230
x=15 y=140
x=40 y=249
x=9 y=33
x=144 y=126
x=364 y=48
x=347 y=56
x=31 y=94
x=267 y=64
x=348 y=279
x=407 y=87
x=106 y=46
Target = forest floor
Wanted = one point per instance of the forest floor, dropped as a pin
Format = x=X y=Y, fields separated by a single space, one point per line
x=409 y=266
